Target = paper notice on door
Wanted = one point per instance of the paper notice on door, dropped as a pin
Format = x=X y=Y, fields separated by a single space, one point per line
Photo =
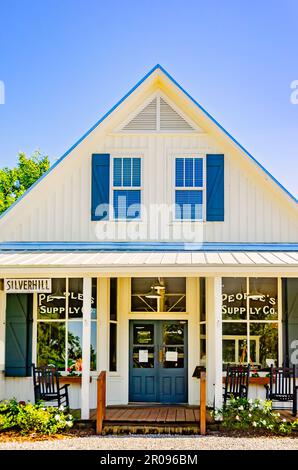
x=143 y=355
x=172 y=356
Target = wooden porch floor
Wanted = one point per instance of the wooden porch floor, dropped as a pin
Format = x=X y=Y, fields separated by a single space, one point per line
x=180 y=414
x=151 y=414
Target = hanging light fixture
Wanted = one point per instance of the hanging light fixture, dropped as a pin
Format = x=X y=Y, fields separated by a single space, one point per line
x=158 y=285
x=58 y=294
x=153 y=294
x=156 y=290
x=255 y=294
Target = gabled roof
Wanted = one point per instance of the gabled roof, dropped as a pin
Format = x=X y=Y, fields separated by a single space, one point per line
x=158 y=68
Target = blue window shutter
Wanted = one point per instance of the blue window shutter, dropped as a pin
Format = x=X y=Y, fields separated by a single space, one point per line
x=18 y=336
x=100 y=197
x=215 y=187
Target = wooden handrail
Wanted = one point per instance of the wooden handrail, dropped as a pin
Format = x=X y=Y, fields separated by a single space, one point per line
x=101 y=401
x=203 y=403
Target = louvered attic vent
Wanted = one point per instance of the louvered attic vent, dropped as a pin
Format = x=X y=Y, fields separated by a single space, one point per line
x=158 y=115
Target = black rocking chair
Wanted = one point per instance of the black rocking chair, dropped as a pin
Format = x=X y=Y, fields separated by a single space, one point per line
x=46 y=386
x=282 y=386
x=236 y=382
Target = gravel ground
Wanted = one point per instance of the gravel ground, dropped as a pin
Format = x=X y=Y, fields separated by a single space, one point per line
x=153 y=442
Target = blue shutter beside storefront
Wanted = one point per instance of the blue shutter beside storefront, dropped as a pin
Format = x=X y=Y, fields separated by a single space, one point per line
x=215 y=188
x=100 y=197
x=18 y=338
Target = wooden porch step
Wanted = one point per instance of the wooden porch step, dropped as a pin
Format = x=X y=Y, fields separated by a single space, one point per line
x=152 y=419
x=149 y=428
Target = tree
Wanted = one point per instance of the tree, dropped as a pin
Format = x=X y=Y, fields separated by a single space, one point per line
x=15 y=181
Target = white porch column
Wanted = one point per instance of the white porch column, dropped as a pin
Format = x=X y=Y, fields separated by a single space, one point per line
x=214 y=341
x=85 y=388
x=103 y=303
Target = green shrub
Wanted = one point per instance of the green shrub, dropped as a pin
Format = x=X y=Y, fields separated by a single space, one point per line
x=248 y=415
x=28 y=418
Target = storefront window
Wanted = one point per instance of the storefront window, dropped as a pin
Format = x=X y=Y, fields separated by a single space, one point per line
x=290 y=321
x=60 y=325
x=250 y=321
x=151 y=294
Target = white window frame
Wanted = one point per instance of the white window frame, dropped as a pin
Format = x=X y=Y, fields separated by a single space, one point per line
x=189 y=188
x=125 y=188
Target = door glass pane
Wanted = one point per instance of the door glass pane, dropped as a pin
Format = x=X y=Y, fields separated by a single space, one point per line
x=173 y=357
x=143 y=358
x=143 y=334
x=173 y=333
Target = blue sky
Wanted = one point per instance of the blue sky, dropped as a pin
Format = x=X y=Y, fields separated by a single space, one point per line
x=64 y=63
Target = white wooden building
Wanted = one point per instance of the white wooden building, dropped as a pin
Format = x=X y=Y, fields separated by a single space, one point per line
x=162 y=245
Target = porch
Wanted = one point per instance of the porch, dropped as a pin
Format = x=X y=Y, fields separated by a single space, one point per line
x=149 y=419
x=207 y=309
x=157 y=419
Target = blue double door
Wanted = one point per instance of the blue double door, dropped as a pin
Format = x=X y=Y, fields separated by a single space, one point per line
x=158 y=361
